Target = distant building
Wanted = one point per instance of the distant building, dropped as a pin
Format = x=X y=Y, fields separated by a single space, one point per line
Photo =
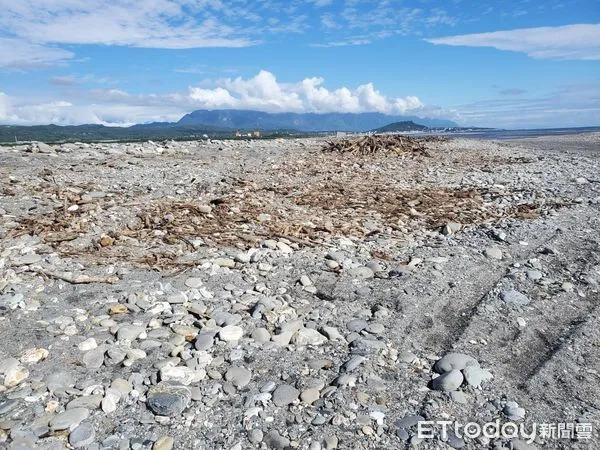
x=237 y=134
x=340 y=134
x=256 y=134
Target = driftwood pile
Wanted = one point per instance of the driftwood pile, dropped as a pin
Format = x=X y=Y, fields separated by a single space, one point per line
x=388 y=145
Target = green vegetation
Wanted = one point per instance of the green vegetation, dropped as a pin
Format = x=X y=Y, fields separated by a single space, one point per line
x=94 y=133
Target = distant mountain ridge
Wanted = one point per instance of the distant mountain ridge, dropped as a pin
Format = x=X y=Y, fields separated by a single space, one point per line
x=308 y=122
x=400 y=127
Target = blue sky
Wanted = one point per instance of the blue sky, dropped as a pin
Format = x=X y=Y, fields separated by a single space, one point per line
x=503 y=64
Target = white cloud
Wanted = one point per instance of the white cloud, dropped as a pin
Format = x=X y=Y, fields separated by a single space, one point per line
x=265 y=93
x=37 y=27
x=20 y=54
x=566 y=106
x=17 y=111
x=262 y=92
x=570 y=42
x=152 y=23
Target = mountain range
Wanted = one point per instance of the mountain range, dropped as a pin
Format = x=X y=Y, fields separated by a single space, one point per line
x=307 y=122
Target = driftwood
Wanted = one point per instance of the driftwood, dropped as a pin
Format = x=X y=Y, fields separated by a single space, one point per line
x=390 y=145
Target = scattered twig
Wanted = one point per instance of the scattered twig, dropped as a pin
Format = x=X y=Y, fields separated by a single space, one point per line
x=69 y=277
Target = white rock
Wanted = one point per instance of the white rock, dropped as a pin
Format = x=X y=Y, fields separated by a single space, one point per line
x=110 y=400
x=308 y=336
x=15 y=375
x=475 y=375
x=182 y=374
x=231 y=333
x=225 y=262
x=88 y=344
x=493 y=253
x=34 y=355
x=193 y=283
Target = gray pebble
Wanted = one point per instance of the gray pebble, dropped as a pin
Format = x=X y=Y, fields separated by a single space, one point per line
x=204 y=341
x=361 y=273
x=238 y=376
x=513 y=297
x=357 y=325
x=60 y=381
x=534 y=275
x=493 y=253
x=284 y=395
x=449 y=381
x=129 y=332
x=82 y=436
x=454 y=361
x=276 y=441
x=69 y=419
x=166 y=400
x=513 y=411
x=474 y=375
x=256 y=436
x=353 y=363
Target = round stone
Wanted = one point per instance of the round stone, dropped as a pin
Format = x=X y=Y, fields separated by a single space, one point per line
x=129 y=332
x=308 y=336
x=361 y=273
x=57 y=381
x=261 y=335
x=82 y=436
x=284 y=395
x=164 y=443
x=474 y=375
x=276 y=441
x=357 y=325
x=15 y=375
x=449 y=381
x=34 y=355
x=69 y=419
x=165 y=400
x=534 y=275
x=493 y=253
x=513 y=411
x=204 y=341
x=193 y=283
x=256 y=436
x=231 y=333
x=513 y=297
x=181 y=374
x=238 y=376
x=454 y=361
x=309 y=396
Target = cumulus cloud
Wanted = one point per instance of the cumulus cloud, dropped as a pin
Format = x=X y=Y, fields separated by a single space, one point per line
x=568 y=42
x=265 y=93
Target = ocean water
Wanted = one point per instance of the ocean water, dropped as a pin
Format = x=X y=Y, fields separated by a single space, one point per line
x=519 y=134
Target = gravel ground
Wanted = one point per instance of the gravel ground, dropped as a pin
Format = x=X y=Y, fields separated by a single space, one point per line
x=269 y=295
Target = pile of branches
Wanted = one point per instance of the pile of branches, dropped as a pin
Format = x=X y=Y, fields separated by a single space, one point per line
x=388 y=145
